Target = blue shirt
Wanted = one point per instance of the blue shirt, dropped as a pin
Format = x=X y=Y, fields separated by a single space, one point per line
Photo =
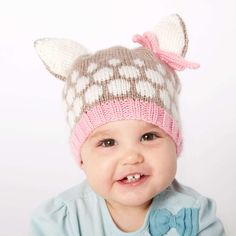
x=79 y=211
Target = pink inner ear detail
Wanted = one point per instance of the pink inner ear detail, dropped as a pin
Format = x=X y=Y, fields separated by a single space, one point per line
x=126 y=109
x=175 y=61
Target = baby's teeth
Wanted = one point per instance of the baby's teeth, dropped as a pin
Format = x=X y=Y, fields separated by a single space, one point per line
x=132 y=178
x=137 y=176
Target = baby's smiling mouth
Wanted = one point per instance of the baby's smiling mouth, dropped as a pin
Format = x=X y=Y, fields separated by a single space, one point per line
x=132 y=178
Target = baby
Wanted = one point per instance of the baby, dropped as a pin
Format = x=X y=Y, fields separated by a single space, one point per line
x=122 y=107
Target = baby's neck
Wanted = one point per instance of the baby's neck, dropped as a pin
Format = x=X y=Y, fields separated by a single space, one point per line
x=128 y=219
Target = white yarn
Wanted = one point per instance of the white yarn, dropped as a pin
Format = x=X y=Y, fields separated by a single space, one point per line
x=59 y=54
x=129 y=72
x=103 y=74
x=82 y=82
x=92 y=67
x=145 y=89
x=154 y=76
x=171 y=34
x=93 y=93
x=118 y=87
x=114 y=62
x=165 y=98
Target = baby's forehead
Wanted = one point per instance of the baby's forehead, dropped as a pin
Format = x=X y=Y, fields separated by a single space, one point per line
x=122 y=126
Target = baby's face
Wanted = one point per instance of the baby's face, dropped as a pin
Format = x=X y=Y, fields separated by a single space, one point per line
x=128 y=162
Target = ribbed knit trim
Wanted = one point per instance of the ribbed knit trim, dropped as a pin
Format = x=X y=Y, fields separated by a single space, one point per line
x=126 y=109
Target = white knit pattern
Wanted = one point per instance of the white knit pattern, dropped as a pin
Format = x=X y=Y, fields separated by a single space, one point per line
x=115 y=80
x=139 y=62
x=118 y=87
x=154 y=76
x=92 y=67
x=145 y=89
x=129 y=72
x=82 y=84
x=103 y=74
x=114 y=62
x=93 y=94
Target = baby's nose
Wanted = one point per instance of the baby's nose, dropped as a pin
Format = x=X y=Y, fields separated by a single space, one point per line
x=132 y=157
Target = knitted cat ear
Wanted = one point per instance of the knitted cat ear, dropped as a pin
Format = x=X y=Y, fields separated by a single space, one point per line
x=171 y=34
x=168 y=42
x=58 y=55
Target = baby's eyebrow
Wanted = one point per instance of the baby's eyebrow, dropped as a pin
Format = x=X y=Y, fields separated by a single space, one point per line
x=99 y=134
x=151 y=126
x=155 y=127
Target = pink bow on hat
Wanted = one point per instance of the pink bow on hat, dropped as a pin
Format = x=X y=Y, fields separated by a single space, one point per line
x=175 y=61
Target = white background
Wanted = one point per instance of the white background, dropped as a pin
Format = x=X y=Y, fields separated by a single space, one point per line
x=36 y=162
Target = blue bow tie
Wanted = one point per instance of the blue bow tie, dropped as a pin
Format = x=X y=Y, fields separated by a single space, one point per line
x=185 y=222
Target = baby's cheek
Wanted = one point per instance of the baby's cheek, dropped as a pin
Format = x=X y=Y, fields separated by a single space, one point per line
x=167 y=166
x=172 y=170
x=100 y=185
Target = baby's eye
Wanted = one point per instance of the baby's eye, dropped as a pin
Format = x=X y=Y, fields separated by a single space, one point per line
x=107 y=143
x=149 y=137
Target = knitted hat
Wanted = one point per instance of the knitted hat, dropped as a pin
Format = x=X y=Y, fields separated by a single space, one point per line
x=118 y=83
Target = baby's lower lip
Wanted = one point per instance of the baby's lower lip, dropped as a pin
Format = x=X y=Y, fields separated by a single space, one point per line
x=125 y=182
